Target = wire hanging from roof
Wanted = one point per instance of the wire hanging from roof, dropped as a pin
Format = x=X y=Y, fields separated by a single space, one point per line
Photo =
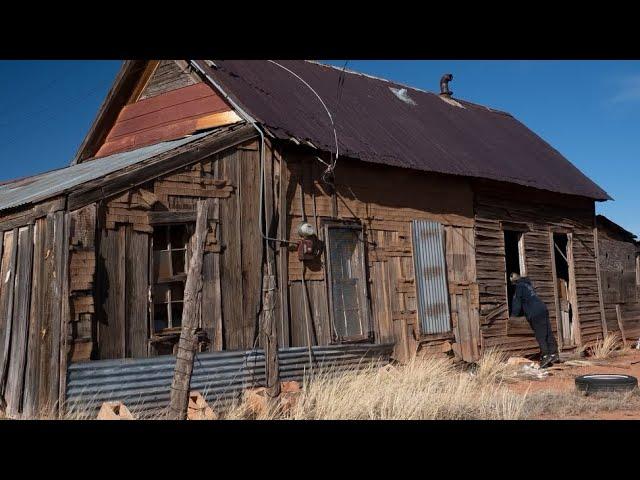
x=327 y=176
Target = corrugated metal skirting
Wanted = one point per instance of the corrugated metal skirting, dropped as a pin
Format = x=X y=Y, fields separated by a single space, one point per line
x=144 y=384
x=431 y=276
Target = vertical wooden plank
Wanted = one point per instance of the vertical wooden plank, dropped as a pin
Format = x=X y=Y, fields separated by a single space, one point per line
x=136 y=292
x=111 y=278
x=621 y=324
x=211 y=321
x=230 y=266
x=50 y=322
x=251 y=244
x=573 y=293
x=32 y=377
x=603 y=317
x=20 y=327
x=9 y=260
x=283 y=256
x=64 y=332
x=556 y=295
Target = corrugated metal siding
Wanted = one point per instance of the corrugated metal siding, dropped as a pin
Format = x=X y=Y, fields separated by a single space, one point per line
x=47 y=185
x=431 y=276
x=144 y=384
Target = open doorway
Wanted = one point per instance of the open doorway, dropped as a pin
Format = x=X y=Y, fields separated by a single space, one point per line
x=562 y=256
x=514 y=260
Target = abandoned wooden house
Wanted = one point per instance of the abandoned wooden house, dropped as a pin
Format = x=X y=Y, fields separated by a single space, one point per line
x=385 y=219
x=619 y=254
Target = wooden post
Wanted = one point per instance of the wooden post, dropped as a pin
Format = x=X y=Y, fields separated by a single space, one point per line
x=269 y=328
x=270 y=338
x=190 y=315
x=603 y=317
x=621 y=324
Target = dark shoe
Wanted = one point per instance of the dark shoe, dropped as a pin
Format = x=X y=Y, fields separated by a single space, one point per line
x=546 y=361
x=555 y=358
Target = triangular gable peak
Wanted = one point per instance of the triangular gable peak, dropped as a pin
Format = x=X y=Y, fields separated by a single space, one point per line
x=150 y=102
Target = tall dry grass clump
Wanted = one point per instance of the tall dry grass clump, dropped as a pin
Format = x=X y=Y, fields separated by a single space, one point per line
x=427 y=389
x=605 y=347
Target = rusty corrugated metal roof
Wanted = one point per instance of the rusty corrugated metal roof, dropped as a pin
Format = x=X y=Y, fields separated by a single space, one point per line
x=46 y=185
x=375 y=125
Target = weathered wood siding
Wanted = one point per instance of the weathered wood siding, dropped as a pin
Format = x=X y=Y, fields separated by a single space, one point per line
x=168 y=75
x=384 y=200
x=540 y=213
x=618 y=273
x=168 y=115
x=33 y=274
x=232 y=263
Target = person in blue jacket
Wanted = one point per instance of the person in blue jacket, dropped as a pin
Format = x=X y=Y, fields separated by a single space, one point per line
x=527 y=302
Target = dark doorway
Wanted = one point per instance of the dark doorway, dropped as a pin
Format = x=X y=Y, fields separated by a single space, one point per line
x=514 y=260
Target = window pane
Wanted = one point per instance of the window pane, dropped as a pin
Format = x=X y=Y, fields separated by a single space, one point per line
x=177 y=292
x=160 y=317
x=178 y=262
x=179 y=236
x=160 y=294
x=162 y=264
x=344 y=255
x=176 y=314
x=160 y=238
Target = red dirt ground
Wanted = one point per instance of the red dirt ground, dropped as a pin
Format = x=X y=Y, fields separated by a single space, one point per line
x=562 y=378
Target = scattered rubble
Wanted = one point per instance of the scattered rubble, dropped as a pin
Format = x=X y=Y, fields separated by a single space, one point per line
x=257 y=401
x=525 y=368
x=199 y=409
x=114 y=411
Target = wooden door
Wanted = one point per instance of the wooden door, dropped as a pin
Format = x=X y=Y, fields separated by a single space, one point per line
x=463 y=292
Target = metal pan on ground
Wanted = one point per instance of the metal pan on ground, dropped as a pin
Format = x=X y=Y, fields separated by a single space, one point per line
x=606 y=383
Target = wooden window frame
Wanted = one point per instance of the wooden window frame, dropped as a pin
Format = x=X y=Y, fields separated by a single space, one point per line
x=167 y=281
x=362 y=291
x=521 y=230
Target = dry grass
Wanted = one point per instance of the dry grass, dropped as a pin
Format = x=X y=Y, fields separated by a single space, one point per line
x=421 y=390
x=566 y=404
x=606 y=347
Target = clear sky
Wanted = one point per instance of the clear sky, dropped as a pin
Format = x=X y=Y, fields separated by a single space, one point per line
x=587 y=110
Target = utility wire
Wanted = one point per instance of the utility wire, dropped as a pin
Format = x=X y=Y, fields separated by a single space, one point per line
x=329 y=171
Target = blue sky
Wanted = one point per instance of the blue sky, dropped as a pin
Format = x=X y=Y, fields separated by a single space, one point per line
x=588 y=110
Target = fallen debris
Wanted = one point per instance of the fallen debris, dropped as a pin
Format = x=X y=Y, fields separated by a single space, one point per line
x=533 y=371
x=199 y=409
x=114 y=411
x=258 y=402
x=579 y=363
x=519 y=361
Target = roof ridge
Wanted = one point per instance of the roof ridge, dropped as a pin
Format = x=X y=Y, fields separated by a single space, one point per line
x=354 y=72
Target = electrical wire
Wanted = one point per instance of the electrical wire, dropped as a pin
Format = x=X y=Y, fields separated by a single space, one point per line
x=327 y=176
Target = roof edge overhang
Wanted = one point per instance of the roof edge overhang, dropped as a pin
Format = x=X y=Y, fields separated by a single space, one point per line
x=116 y=98
x=294 y=142
x=131 y=176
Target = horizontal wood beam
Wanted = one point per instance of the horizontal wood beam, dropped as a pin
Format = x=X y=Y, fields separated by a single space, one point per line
x=28 y=217
x=163 y=164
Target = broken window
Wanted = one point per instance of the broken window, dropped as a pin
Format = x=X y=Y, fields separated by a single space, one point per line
x=170 y=260
x=347 y=282
x=514 y=259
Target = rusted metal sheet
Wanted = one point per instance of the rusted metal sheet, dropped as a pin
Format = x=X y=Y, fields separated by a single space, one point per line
x=50 y=184
x=375 y=125
x=143 y=384
x=431 y=276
